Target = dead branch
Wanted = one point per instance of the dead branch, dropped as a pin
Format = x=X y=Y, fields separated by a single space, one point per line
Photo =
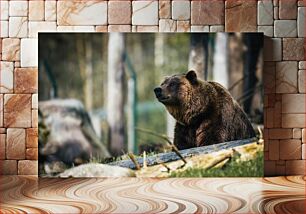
x=132 y=157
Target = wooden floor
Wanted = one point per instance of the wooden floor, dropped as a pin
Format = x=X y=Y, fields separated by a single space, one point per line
x=135 y=195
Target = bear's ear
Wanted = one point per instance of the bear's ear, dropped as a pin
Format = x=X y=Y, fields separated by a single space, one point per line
x=192 y=76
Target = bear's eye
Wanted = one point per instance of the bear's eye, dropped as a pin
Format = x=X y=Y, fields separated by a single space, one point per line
x=171 y=84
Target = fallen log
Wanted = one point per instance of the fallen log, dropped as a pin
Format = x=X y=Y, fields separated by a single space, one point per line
x=172 y=156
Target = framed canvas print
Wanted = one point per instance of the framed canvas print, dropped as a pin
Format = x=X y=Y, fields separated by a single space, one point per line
x=150 y=104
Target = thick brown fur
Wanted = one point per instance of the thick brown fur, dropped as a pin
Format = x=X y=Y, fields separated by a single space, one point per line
x=205 y=111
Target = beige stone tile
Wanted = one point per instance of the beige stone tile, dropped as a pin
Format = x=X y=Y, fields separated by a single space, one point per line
x=34 y=101
x=6 y=77
x=11 y=49
x=240 y=16
x=293 y=120
x=17 y=64
x=200 y=28
x=4 y=29
x=145 y=13
x=4 y=10
x=28 y=167
x=302 y=65
x=91 y=12
x=297 y=133
x=286 y=77
x=265 y=12
x=285 y=28
x=36 y=10
x=269 y=118
x=29 y=52
x=303 y=151
x=167 y=25
x=275 y=13
x=18 y=27
x=1 y=45
x=183 y=26
x=293 y=103
x=207 y=12
x=38 y=26
x=50 y=10
x=301 y=22
x=34 y=118
x=17 y=110
x=15 y=144
x=18 y=8
x=293 y=49
x=287 y=9
x=2 y=130
x=301 y=3
x=119 y=28
x=304 y=135
x=101 y=28
x=8 y=167
x=302 y=81
x=75 y=29
x=290 y=149
x=26 y=80
x=280 y=133
x=266 y=30
x=119 y=12
x=277 y=114
x=273 y=150
x=180 y=10
x=32 y=154
x=1 y=110
x=32 y=138
x=164 y=9
x=146 y=28
x=2 y=146
x=216 y=28
x=295 y=167
x=134 y=28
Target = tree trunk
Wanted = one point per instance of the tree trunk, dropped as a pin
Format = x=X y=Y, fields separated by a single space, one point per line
x=254 y=44
x=115 y=97
x=220 y=69
x=88 y=75
x=159 y=62
x=198 y=56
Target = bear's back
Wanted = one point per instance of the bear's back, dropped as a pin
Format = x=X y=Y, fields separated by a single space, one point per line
x=231 y=117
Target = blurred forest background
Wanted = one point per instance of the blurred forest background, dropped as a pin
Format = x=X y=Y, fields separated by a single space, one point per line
x=114 y=75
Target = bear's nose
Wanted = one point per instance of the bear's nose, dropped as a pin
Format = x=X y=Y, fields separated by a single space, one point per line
x=158 y=91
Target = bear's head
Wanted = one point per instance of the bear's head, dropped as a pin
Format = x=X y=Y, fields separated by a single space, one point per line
x=182 y=95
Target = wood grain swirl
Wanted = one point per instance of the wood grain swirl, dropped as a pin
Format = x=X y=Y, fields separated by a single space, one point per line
x=25 y=194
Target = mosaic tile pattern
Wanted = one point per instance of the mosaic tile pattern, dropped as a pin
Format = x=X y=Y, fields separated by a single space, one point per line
x=283 y=20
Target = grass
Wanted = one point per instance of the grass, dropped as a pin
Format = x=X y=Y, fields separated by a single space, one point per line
x=234 y=168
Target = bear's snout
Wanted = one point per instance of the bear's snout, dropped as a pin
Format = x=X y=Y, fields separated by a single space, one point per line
x=158 y=91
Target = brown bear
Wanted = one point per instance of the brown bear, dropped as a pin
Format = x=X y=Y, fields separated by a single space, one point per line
x=205 y=111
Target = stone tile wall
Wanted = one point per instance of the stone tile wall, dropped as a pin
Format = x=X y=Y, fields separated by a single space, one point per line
x=284 y=78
